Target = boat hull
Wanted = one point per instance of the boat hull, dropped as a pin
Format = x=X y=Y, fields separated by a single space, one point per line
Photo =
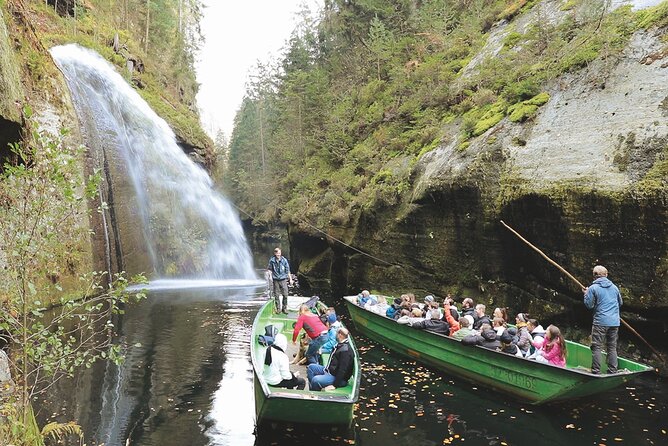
x=274 y=404
x=526 y=380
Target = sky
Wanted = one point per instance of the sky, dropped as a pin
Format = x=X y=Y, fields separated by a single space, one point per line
x=237 y=35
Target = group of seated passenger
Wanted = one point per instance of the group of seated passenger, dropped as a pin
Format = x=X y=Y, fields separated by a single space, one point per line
x=326 y=335
x=472 y=326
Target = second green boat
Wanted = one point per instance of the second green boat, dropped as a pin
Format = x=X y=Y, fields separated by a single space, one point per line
x=524 y=379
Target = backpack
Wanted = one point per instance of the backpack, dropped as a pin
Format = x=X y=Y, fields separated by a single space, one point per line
x=312 y=302
x=267 y=338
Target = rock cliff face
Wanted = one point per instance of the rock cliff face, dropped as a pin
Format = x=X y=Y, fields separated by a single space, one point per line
x=586 y=180
x=12 y=93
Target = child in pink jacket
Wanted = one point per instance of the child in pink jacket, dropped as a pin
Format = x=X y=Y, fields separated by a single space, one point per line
x=554 y=349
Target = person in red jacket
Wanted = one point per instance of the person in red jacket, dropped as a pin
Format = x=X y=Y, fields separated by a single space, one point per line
x=315 y=330
x=454 y=325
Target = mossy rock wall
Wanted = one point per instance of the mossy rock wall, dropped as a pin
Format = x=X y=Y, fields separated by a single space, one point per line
x=12 y=92
x=585 y=179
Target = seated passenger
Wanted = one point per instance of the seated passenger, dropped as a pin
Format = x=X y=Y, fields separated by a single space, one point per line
x=536 y=347
x=486 y=338
x=524 y=341
x=315 y=329
x=277 y=366
x=370 y=302
x=479 y=317
x=433 y=306
x=554 y=348
x=499 y=325
x=334 y=326
x=415 y=317
x=380 y=306
x=453 y=309
x=394 y=310
x=338 y=369
x=454 y=325
x=535 y=329
x=513 y=332
x=325 y=315
x=467 y=308
x=502 y=313
x=464 y=328
x=433 y=324
x=507 y=345
x=363 y=297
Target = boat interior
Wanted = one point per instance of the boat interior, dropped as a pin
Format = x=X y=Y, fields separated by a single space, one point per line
x=285 y=324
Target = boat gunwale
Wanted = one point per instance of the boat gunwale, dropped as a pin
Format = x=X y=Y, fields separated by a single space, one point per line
x=313 y=395
x=557 y=369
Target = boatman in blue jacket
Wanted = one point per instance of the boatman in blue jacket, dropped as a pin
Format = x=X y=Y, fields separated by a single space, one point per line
x=604 y=298
x=280 y=274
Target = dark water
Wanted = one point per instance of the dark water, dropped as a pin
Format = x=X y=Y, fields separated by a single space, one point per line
x=187 y=380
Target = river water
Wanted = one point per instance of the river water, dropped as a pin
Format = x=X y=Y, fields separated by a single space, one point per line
x=187 y=380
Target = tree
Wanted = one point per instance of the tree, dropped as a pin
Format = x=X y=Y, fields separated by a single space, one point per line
x=379 y=42
x=43 y=199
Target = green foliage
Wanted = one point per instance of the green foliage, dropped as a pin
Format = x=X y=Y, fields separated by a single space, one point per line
x=168 y=80
x=512 y=39
x=369 y=87
x=44 y=198
x=656 y=16
x=18 y=428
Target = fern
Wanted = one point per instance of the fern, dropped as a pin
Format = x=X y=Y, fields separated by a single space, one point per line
x=59 y=430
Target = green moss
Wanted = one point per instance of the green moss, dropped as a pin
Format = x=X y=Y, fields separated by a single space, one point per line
x=429 y=147
x=512 y=39
x=570 y=4
x=480 y=119
x=10 y=82
x=516 y=7
x=183 y=121
x=524 y=110
x=656 y=179
x=521 y=112
x=656 y=16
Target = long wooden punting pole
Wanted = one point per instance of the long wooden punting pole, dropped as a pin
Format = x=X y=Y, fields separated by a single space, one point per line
x=579 y=283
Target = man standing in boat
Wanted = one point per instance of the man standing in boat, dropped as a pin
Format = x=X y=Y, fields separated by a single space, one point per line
x=604 y=298
x=280 y=274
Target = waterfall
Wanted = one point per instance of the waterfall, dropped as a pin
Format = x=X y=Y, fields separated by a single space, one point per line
x=165 y=204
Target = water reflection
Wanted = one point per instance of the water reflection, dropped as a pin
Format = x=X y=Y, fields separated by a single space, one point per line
x=233 y=421
x=182 y=349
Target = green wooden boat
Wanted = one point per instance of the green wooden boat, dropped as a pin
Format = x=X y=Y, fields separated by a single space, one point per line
x=524 y=379
x=274 y=404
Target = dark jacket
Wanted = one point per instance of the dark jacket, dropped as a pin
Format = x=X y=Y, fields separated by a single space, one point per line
x=478 y=321
x=279 y=268
x=487 y=340
x=341 y=364
x=510 y=349
x=468 y=312
x=435 y=325
x=604 y=298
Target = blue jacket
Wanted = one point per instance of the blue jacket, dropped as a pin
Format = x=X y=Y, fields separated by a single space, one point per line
x=279 y=268
x=604 y=298
x=328 y=346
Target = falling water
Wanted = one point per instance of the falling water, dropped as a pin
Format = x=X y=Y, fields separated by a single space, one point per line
x=187 y=229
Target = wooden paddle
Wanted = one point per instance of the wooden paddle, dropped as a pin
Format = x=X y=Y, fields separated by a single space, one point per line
x=581 y=286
